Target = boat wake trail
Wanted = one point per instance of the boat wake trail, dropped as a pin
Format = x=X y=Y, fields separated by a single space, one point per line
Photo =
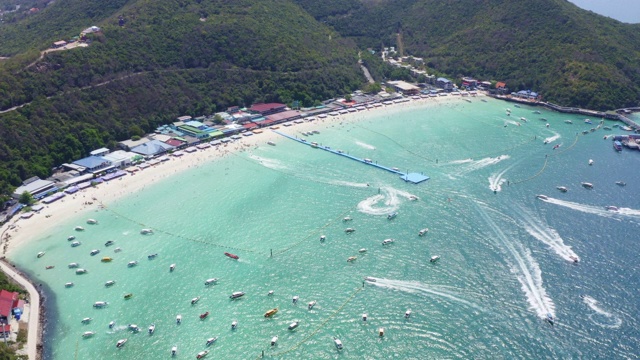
x=479 y=164
x=457 y=162
x=527 y=269
x=601 y=317
x=416 y=287
x=365 y=145
x=384 y=203
x=596 y=210
x=268 y=163
x=553 y=138
x=349 y=184
x=496 y=181
x=547 y=235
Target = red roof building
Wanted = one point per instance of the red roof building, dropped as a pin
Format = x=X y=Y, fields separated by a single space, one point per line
x=267 y=109
x=8 y=300
x=175 y=142
x=500 y=85
x=249 y=125
x=5 y=330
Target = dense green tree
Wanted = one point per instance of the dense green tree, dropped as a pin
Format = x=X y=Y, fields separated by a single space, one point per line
x=26 y=198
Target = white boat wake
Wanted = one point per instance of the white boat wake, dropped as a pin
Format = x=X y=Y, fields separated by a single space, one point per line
x=456 y=162
x=595 y=210
x=349 y=184
x=268 y=163
x=365 y=145
x=610 y=320
x=386 y=202
x=528 y=272
x=416 y=287
x=553 y=138
x=548 y=236
x=496 y=181
x=479 y=164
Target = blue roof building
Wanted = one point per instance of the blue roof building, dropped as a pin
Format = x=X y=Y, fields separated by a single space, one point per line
x=93 y=163
x=152 y=148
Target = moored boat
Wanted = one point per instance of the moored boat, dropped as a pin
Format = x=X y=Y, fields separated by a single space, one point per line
x=381 y=332
x=349 y=230
x=106 y=259
x=86 y=320
x=128 y=296
x=338 y=343
x=621 y=183
x=271 y=312
x=274 y=340
x=392 y=215
x=78 y=228
x=195 y=300
x=347 y=218
x=236 y=295
x=71 y=238
x=117 y=249
x=587 y=185
x=152 y=329
x=172 y=267
x=112 y=324
x=100 y=304
x=233 y=256
x=423 y=232
x=132 y=263
x=81 y=271
x=293 y=325
x=94 y=252
x=49 y=267
x=152 y=256
x=234 y=324
x=311 y=304
x=542 y=197
x=110 y=283
x=178 y=319
x=202 y=354
x=351 y=259
x=211 y=341
x=568 y=122
x=363 y=250
x=562 y=188
x=109 y=243
x=407 y=314
x=323 y=237
x=92 y=221
x=73 y=265
x=364 y=317
x=146 y=231
x=387 y=241
x=295 y=299
x=121 y=343
x=434 y=258
x=76 y=244
x=204 y=315
x=211 y=281
x=40 y=254
x=271 y=143
x=174 y=350
x=68 y=285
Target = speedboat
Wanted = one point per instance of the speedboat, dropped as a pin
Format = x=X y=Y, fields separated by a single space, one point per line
x=516 y=105
x=75 y=243
x=271 y=312
x=202 y=354
x=132 y=263
x=568 y=122
x=81 y=271
x=536 y=112
x=117 y=249
x=121 y=343
x=233 y=256
x=590 y=161
x=349 y=230
x=370 y=279
x=204 y=315
x=270 y=293
x=128 y=296
x=295 y=299
x=423 y=232
x=69 y=284
x=78 y=228
x=547 y=125
x=556 y=146
x=211 y=281
x=392 y=215
x=271 y=143
x=234 y=324
x=40 y=254
x=364 y=317
x=152 y=256
x=274 y=340
x=434 y=258
x=152 y=328
x=92 y=221
x=323 y=238
x=612 y=208
x=178 y=319
x=94 y=252
x=106 y=259
x=71 y=238
x=587 y=121
x=237 y=294
x=109 y=243
x=387 y=241
x=293 y=325
x=112 y=324
x=381 y=332
x=363 y=250
x=347 y=218
x=174 y=350
x=587 y=185
x=73 y=265
x=542 y=197
x=86 y=320
x=351 y=258
x=211 y=340
x=134 y=327
x=562 y=188
x=549 y=318
x=523 y=119
x=574 y=258
x=110 y=283
x=172 y=267
x=146 y=231
x=621 y=183
x=413 y=198
x=407 y=314
x=195 y=300
x=49 y=267
x=311 y=304
x=338 y=343
x=100 y=304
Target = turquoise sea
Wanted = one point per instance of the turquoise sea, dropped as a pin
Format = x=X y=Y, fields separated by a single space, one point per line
x=505 y=256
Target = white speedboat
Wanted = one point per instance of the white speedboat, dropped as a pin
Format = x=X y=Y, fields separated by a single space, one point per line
x=370 y=279
x=94 y=252
x=121 y=343
x=413 y=198
x=274 y=340
x=110 y=283
x=40 y=254
x=423 y=232
x=575 y=259
x=621 y=183
x=132 y=263
x=236 y=295
x=92 y=221
x=612 y=208
x=152 y=328
x=392 y=215
x=71 y=238
x=587 y=185
x=312 y=304
x=109 y=243
x=270 y=293
x=172 y=267
x=407 y=314
x=234 y=325
x=562 y=188
x=152 y=256
x=195 y=300
x=351 y=259
x=112 y=324
x=568 y=122
x=434 y=258
x=549 y=318
x=202 y=354
x=271 y=143
x=363 y=250
x=73 y=265
x=86 y=320
x=211 y=340
x=523 y=119
x=69 y=284
x=100 y=304
x=542 y=197
x=381 y=332
x=338 y=343
x=178 y=319
x=118 y=249
x=81 y=271
x=590 y=161
x=174 y=350
x=293 y=325
x=349 y=230
x=78 y=228
x=387 y=241
x=347 y=218
x=134 y=327
x=323 y=237
x=146 y=231
x=211 y=281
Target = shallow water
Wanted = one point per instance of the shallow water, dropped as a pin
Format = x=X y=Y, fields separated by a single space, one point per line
x=506 y=257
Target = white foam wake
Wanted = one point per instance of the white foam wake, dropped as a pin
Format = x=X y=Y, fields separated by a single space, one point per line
x=365 y=145
x=596 y=210
x=269 y=163
x=350 y=184
x=386 y=202
x=548 y=236
x=479 y=164
x=553 y=138
x=496 y=181
x=527 y=269
x=416 y=287
x=611 y=320
x=463 y=161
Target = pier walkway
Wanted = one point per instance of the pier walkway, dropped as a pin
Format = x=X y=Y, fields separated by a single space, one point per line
x=414 y=178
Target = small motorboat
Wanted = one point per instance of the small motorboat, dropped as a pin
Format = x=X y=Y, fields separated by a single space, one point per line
x=211 y=281
x=81 y=271
x=556 y=146
x=110 y=283
x=590 y=161
x=347 y=218
x=152 y=256
x=68 y=285
x=549 y=318
x=392 y=215
x=73 y=265
x=132 y=263
x=407 y=314
x=562 y=188
x=351 y=259
x=338 y=343
x=233 y=256
x=234 y=324
x=271 y=143
x=387 y=241
x=76 y=244
x=112 y=324
x=621 y=183
x=49 y=267
x=211 y=340
x=71 y=238
x=542 y=197
x=434 y=258
x=133 y=327
x=146 y=231
x=274 y=340
x=423 y=232
x=86 y=320
x=516 y=105
x=117 y=250
x=236 y=295
x=575 y=259
x=381 y=332
x=363 y=250
x=295 y=299
x=100 y=304
x=172 y=267
x=311 y=304
x=92 y=221
x=612 y=208
x=270 y=293
x=152 y=329
x=204 y=315
x=536 y=112
x=78 y=228
x=121 y=343
x=364 y=317
x=106 y=259
x=109 y=243
x=349 y=230
x=587 y=121
x=202 y=354
x=523 y=119
x=568 y=122
x=40 y=254
x=128 y=296
x=587 y=185
x=413 y=198
x=370 y=279
x=547 y=125
x=174 y=350
x=293 y=325
x=195 y=300
x=94 y=252
x=271 y=312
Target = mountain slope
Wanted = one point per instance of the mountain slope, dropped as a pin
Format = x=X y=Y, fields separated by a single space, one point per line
x=570 y=55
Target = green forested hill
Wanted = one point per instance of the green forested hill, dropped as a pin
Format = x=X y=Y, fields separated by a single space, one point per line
x=170 y=58
x=572 y=56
